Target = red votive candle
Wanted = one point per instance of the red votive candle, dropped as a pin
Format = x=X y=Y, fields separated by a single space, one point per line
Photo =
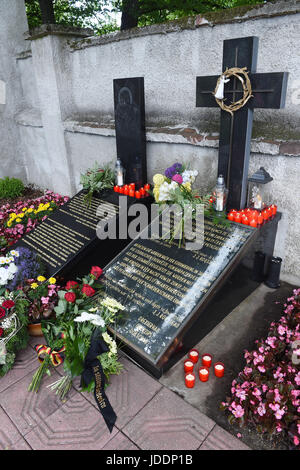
x=188 y=366
x=126 y=190
x=274 y=209
x=132 y=186
x=206 y=360
x=238 y=217
x=190 y=380
x=142 y=191
x=147 y=187
x=131 y=192
x=203 y=374
x=245 y=220
x=260 y=219
x=219 y=369
x=194 y=355
x=253 y=223
x=116 y=189
x=270 y=212
x=121 y=189
x=230 y=216
x=265 y=214
x=138 y=195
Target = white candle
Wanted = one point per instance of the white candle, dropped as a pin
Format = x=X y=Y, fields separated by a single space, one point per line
x=189 y=363
x=219 y=367
x=190 y=377
x=207 y=358
x=193 y=353
x=203 y=372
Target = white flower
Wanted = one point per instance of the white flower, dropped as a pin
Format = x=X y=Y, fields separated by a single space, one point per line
x=98 y=321
x=14 y=253
x=84 y=316
x=112 y=305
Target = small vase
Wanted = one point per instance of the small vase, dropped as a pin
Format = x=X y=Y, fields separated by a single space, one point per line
x=35 y=329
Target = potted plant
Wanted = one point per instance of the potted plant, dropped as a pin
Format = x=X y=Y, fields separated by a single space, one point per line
x=42 y=297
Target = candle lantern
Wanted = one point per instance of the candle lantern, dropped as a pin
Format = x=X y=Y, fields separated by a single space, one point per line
x=257 y=193
x=119 y=173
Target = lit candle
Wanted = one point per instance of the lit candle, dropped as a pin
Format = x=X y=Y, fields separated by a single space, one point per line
x=245 y=220
x=126 y=190
x=132 y=186
x=219 y=369
x=203 y=374
x=121 y=189
x=147 y=187
x=188 y=366
x=253 y=223
x=138 y=195
x=116 y=189
x=143 y=192
x=194 y=355
x=206 y=360
x=230 y=216
x=270 y=212
x=131 y=192
x=190 y=380
x=274 y=209
x=265 y=214
x=260 y=218
x=238 y=217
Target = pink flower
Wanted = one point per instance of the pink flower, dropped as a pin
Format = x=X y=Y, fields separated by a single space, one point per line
x=261 y=409
x=238 y=412
x=177 y=178
x=45 y=300
x=296 y=441
x=297 y=378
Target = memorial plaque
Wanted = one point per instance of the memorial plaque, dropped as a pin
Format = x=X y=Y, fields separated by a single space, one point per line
x=66 y=236
x=130 y=128
x=164 y=287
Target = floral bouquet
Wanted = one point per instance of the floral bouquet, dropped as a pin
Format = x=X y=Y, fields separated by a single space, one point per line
x=266 y=392
x=17 y=266
x=175 y=187
x=78 y=314
x=97 y=179
x=13 y=328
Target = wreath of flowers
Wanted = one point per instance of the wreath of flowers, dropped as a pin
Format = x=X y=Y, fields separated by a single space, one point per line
x=242 y=75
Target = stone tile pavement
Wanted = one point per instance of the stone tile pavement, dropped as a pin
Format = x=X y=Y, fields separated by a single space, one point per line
x=150 y=416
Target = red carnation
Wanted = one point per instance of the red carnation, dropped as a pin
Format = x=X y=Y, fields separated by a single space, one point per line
x=1 y=332
x=88 y=290
x=71 y=285
x=8 y=304
x=96 y=271
x=2 y=312
x=70 y=297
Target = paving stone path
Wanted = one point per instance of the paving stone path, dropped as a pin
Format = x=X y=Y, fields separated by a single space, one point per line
x=150 y=416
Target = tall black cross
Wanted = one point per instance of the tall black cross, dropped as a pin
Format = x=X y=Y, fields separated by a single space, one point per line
x=269 y=91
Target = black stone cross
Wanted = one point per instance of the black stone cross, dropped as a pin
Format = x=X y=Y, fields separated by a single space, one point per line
x=269 y=91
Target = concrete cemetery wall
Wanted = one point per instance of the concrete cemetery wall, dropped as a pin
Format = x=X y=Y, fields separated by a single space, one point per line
x=66 y=118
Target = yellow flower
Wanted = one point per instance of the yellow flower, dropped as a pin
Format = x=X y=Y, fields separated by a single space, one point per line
x=29 y=210
x=34 y=285
x=21 y=215
x=18 y=220
x=41 y=279
x=24 y=209
x=187 y=186
x=9 y=223
x=158 y=179
x=52 y=280
x=156 y=192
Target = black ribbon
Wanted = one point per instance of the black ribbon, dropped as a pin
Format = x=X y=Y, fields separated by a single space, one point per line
x=93 y=370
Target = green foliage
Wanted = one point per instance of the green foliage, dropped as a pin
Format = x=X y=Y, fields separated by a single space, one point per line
x=84 y=14
x=97 y=179
x=97 y=14
x=11 y=187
